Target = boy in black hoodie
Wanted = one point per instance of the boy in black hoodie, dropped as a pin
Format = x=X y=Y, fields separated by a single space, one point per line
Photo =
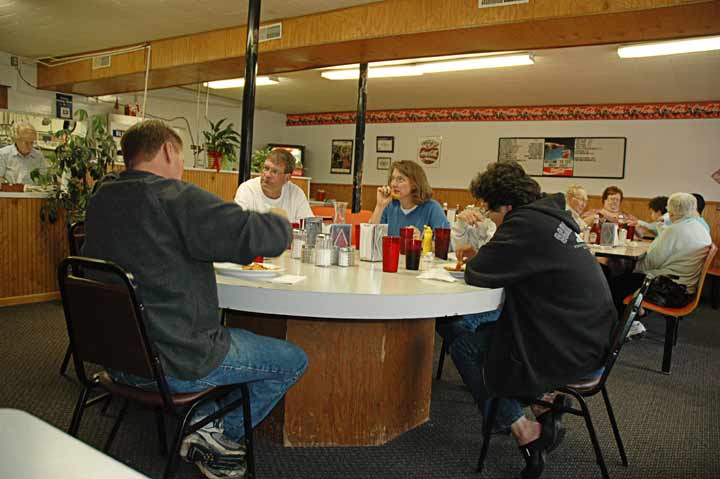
x=558 y=312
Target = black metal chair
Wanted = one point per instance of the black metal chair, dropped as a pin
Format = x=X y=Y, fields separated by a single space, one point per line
x=106 y=326
x=76 y=238
x=582 y=391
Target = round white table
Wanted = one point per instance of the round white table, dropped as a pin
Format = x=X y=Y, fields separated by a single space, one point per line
x=369 y=337
x=357 y=292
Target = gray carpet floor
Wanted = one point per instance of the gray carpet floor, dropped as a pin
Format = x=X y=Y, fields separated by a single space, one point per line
x=669 y=423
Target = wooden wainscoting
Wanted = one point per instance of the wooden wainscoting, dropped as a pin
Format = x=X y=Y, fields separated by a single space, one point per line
x=31 y=251
x=462 y=197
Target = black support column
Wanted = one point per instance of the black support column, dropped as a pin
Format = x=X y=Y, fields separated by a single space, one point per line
x=248 y=106
x=359 y=139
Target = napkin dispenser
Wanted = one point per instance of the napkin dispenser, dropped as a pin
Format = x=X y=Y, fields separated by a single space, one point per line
x=371 y=236
x=340 y=235
x=609 y=234
x=313 y=227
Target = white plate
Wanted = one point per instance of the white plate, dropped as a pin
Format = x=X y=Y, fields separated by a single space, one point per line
x=455 y=274
x=234 y=269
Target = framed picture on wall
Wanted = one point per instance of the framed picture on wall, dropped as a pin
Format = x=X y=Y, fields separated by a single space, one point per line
x=341 y=157
x=385 y=144
x=383 y=162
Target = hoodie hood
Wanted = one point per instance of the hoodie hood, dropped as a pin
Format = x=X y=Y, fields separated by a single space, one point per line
x=554 y=205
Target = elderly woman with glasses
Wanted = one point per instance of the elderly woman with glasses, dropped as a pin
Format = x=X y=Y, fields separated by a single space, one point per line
x=611 y=210
x=407 y=201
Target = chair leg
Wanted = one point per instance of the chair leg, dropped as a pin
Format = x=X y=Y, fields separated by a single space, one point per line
x=77 y=414
x=670 y=329
x=441 y=360
x=593 y=437
x=247 y=422
x=677 y=328
x=173 y=459
x=488 y=425
x=66 y=361
x=613 y=423
x=162 y=436
x=116 y=426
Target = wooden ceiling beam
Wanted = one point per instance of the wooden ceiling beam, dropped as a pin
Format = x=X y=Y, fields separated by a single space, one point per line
x=389 y=30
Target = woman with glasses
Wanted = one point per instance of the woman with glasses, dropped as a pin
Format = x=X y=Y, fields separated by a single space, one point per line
x=407 y=201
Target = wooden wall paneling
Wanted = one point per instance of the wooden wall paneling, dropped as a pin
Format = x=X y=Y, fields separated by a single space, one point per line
x=454 y=196
x=395 y=29
x=31 y=252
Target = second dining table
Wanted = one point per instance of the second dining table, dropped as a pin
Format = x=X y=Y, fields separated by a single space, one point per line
x=369 y=337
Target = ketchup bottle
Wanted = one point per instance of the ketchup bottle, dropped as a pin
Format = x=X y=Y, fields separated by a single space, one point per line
x=595 y=231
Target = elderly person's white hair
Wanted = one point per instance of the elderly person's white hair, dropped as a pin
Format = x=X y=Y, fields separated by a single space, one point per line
x=574 y=189
x=21 y=128
x=682 y=205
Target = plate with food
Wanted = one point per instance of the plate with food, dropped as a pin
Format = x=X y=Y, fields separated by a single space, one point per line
x=456 y=270
x=252 y=270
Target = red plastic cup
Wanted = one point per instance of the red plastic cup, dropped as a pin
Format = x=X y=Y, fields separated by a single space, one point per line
x=405 y=235
x=630 y=232
x=259 y=259
x=442 y=242
x=413 y=251
x=295 y=226
x=391 y=253
x=356 y=236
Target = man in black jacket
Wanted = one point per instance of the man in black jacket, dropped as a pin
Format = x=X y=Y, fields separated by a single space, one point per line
x=167 y=233
x=558 y=312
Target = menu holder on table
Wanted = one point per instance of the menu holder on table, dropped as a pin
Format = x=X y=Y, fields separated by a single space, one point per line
x=371 y=241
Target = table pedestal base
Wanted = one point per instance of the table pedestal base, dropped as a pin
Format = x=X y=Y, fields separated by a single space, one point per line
x=367 y=381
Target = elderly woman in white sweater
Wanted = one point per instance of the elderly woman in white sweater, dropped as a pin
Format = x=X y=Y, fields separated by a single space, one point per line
x=678 y=252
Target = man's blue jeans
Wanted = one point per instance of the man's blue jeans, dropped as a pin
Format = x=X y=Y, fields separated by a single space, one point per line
x=467 y=324
x=468 y=355
x=270 y=365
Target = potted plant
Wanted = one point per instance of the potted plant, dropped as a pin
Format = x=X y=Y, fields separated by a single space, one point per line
x=79 y=162
x=258 y=159
x=221 y=144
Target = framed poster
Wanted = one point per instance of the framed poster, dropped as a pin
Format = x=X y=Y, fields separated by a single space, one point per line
x=586 y=157
x=429 y=150
x=385 y=144
x=383 y=162
x=341 y=157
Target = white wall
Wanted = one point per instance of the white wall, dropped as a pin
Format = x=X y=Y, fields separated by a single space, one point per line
x=167 y=103
x=663 y=156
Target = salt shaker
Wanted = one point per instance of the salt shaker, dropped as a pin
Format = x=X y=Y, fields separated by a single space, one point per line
x=323 y=250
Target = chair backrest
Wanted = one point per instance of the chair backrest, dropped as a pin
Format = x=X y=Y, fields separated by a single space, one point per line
x=105 y=320
x=362 y=216
x=76 y=237
x=712 y=251
x=622 y=327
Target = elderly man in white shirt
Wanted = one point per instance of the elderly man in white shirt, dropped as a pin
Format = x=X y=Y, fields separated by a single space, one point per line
x=18 y=160
x=678 y=252
x=273 y=191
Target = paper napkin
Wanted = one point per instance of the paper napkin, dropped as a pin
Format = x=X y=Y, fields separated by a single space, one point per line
x=439 y=274
x=287 y=279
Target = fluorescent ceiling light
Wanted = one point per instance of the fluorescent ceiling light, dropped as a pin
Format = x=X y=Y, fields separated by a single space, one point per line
x=674 y=47
x=477 y=63
x=419 y=68
x=373 y=72
x=240 y=82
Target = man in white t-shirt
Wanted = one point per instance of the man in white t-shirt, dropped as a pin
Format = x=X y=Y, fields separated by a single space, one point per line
x=272 y=190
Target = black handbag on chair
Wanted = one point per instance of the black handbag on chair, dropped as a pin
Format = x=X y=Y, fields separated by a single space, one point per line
x=667 y=293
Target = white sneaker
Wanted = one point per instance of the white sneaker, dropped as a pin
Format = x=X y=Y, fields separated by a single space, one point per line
x=216 y=455
x=637 y=330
